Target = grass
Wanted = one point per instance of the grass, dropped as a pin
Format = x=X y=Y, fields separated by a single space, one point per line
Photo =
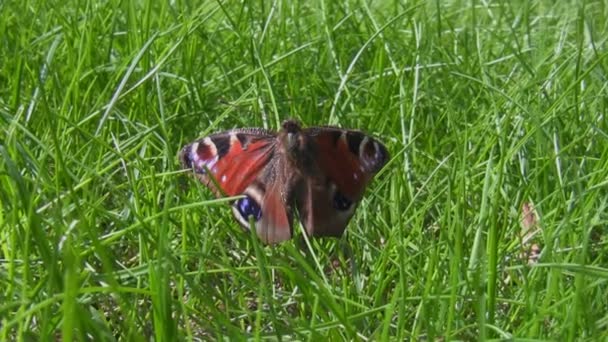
x=494 y=113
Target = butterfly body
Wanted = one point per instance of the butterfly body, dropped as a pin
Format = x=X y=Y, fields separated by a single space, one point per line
x=318 y=172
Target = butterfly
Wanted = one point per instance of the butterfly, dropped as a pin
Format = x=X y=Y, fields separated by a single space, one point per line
x=320 y=173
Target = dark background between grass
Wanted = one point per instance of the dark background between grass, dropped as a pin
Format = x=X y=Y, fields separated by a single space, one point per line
x=494 y=113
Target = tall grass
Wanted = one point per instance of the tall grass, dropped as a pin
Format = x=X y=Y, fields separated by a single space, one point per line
x=489 y=222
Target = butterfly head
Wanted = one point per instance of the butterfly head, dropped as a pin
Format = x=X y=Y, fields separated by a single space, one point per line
x=297 y=145
x=292 y=136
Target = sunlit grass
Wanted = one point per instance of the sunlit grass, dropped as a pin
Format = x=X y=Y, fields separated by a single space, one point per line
x=494 y=114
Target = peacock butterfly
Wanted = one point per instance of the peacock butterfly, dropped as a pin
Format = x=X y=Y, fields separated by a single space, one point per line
x=318 y=172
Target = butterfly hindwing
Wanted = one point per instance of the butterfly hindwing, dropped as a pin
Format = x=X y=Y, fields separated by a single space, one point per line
x=264 y=203
x=318 y=212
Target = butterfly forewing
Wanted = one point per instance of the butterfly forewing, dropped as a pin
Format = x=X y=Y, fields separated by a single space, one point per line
x=234 y=159
x=349 y=158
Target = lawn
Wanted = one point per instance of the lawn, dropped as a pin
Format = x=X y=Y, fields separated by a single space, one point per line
x=489 y=221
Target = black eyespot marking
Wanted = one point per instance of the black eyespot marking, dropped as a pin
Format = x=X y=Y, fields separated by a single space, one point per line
x=243 y=140
x=335 y=136
x=341 y=203
x=354 y=141
x=222 y=144
x=248 y=207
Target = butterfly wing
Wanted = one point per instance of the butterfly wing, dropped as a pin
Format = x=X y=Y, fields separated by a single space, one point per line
x=322 y=171
x=272 y=217
x=244 y=162
x=317 y=212
x=234 y=159
x=346 y=161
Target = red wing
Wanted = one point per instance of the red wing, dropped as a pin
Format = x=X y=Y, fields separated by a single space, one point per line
x=275 y=224
x=242 y=162
x=265 y=206
x=318 y=213
x=349 y=159
x=234 y=159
